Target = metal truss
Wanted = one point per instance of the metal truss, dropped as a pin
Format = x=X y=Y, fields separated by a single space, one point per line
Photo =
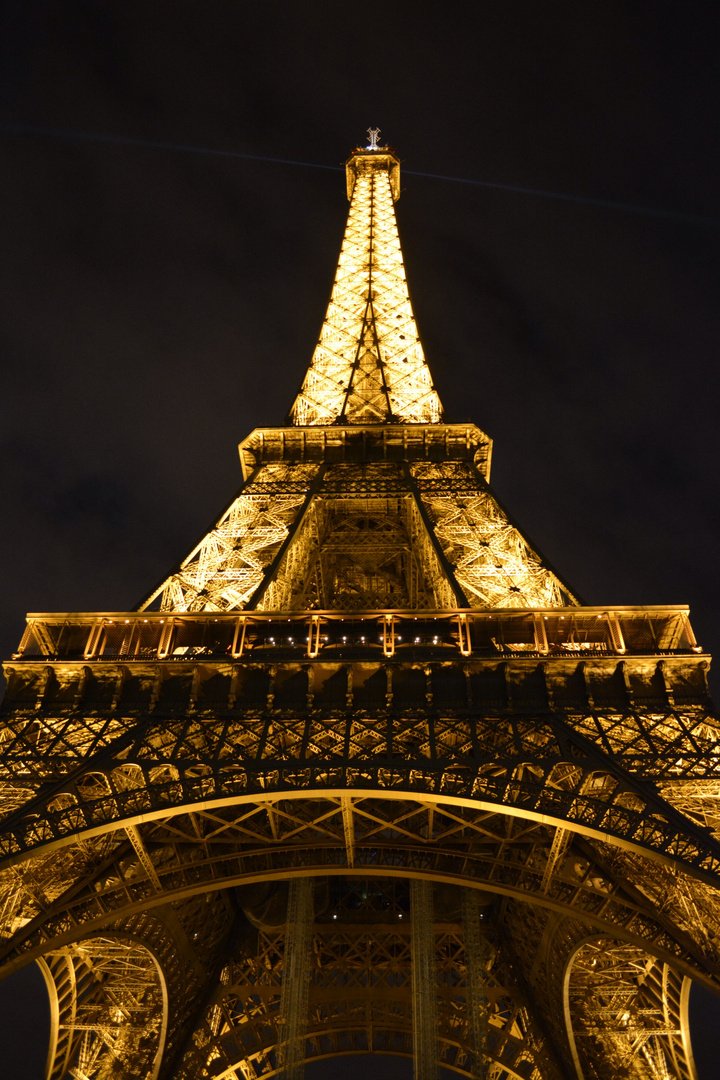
x=333 y=535
x=145 y=842
x=359 y=536
x=631 y=1006
x=228 y=565
x=491 y=559
x=108 y=1009
x=477 y=962
x=362 y=544
x=368 y=366
x=260 y=839
x=121 y=1001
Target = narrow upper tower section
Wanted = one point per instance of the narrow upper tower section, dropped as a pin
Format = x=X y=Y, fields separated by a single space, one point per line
x=368 y=366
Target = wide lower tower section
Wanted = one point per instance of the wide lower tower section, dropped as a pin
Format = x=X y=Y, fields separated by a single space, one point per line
x=361 y=774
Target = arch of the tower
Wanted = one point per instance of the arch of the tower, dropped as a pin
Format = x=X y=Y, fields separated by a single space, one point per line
x=95 y=876
x=360 y=998
x=536 y=766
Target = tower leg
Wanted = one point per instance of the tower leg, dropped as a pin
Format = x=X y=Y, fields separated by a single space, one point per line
x=475 y=957
x=296 y=977
x=424 y=988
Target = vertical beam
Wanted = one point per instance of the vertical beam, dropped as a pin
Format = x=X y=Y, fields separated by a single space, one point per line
x=460 y=597
x=296 y=978
x=559 y=845
x=424 y=981
x=348 y=828
x=476 y=1000
x=165 y=638
x=464 y=635
x=541 y=641
x=94 y=638
x=388 y=630
x=616 y=634
x=314 y=628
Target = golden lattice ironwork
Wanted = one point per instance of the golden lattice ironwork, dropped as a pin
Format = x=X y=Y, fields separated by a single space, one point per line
x=633 y=1007
x=361 y=774
x=369 y=366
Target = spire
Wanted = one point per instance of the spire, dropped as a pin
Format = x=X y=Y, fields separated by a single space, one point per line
x=368 y=366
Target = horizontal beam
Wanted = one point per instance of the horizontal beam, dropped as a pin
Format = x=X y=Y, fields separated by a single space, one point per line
x=579 y=633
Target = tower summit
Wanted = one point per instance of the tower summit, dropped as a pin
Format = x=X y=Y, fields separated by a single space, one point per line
x=361 y=774
x=368 y=366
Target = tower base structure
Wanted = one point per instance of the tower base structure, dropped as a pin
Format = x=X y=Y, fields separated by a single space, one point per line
x=170 y=785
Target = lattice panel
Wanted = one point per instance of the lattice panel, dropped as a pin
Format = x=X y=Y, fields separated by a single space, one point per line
x=492 y=560
x=362 y=545
x=228 y=565
x=629 y=1014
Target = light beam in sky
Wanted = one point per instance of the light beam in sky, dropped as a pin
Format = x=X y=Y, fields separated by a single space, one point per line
x=514 y=189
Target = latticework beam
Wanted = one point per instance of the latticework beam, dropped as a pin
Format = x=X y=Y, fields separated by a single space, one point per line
x=296 y=977
x=476 y=962
x=424 y=981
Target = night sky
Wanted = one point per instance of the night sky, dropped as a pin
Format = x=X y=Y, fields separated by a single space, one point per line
x=157 y=303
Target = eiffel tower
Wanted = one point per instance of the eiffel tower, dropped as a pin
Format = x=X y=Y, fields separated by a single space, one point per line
x=362 y=774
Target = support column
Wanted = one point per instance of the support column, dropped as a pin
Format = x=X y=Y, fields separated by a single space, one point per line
x=296 y=978
x=476 y=1000
x=424 y=981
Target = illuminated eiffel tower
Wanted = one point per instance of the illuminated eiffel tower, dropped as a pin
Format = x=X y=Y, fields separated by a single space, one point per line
x=362 y=775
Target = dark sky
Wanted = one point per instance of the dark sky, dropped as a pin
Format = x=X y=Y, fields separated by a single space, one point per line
x=156 y=305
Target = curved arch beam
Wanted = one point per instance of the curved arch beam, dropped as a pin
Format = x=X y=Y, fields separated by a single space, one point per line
x=605 y=913
x=68 y=822
x=535 y=765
